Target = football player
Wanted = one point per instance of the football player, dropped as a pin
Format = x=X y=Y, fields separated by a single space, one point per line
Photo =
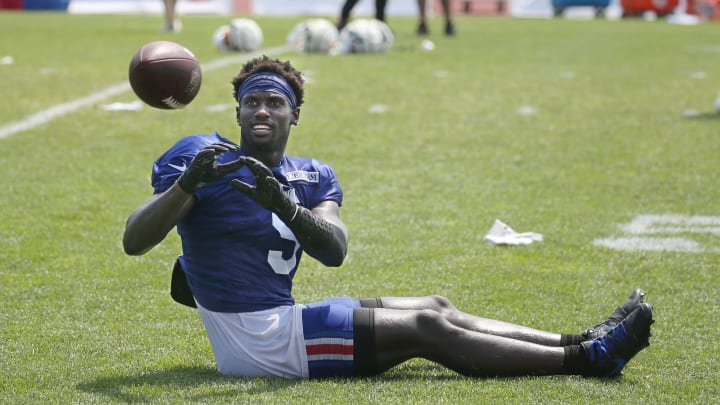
x=248 y=212
x=172 y=23
x=423 y=29
x=350 y=4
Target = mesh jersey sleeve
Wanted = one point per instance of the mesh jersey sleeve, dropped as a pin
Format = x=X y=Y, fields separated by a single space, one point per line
x=329 y=189
x=313 y=181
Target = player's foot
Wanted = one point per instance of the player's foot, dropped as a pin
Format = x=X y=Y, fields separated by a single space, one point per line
x=341 y=24
x=176 y=26
x=449 y=29
x=609 y=354
x=636 y=297
x=422 y=29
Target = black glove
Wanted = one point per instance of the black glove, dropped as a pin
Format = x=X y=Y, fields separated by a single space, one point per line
x=267 y=191
x=319 y=237
x=204 y=167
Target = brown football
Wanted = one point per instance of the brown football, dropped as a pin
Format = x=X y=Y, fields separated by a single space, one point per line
x=165 y=75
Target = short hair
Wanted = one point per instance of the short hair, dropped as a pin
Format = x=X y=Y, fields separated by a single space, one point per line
x=265 y=64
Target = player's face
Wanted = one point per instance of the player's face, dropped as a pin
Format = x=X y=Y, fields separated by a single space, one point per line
x=265 y=119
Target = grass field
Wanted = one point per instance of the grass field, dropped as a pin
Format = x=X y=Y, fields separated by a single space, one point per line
x=572 y=129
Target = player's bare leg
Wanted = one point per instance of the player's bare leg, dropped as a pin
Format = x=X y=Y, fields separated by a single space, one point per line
x=401 y=335
x=471 y=322
x=422 y=28
x=172 y=23
x=345 y=14
x=510 y=330
x=449 y=26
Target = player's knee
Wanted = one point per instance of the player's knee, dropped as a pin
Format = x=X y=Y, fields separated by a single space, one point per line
x=442 y=304
x=431 y=323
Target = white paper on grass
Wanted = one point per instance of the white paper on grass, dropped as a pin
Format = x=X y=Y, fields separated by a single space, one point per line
x=501 y=234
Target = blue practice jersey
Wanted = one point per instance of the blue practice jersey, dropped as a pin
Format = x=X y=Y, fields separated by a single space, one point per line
x=237 y=255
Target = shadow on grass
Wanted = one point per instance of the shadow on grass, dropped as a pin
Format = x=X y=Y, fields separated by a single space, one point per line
x=704 y=116
x=423 y=370
x=205 y=384
x=201 y=384
x=418 y=369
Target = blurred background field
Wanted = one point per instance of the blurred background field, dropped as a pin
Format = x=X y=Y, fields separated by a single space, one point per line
x=567 y=127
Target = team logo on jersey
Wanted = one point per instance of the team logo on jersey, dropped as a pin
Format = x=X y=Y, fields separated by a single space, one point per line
x=311 y=177
x=178 y=167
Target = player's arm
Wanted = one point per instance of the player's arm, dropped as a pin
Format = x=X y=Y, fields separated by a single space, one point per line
x=320 y=230
x=150 y=223
x=322 y=233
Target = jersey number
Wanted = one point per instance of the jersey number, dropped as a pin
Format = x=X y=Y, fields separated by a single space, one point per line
x=275 y=257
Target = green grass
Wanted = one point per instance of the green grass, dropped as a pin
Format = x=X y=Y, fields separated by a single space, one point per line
x=83 y=323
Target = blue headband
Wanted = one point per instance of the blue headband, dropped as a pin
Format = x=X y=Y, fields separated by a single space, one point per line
x=267 y=81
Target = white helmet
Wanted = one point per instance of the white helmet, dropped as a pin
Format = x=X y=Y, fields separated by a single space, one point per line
x=245 y=35
x=366 y=36
x=315 y=35
x=221 y=37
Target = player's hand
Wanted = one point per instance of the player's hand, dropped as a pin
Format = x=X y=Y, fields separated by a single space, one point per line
x=267 y=191
x=204 y=167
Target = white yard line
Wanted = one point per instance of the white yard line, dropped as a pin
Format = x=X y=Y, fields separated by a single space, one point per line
x=63 y=109
x=659 y=232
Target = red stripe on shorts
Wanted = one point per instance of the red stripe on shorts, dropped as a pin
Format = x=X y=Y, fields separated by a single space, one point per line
x=329 y=349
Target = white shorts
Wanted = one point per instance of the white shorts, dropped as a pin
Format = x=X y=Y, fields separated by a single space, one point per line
x=258 y=344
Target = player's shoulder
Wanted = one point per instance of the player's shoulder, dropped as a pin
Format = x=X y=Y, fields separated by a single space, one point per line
x=314 y=181
x=302 y=168
x=190 y=145
x=297 y=162
x=194 y=143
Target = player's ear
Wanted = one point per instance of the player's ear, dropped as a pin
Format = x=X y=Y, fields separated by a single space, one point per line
x=296 y=116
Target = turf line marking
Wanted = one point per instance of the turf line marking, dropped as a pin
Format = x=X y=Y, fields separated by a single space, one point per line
x=44 y=116
x=658 y=232
x=634 y=243
x=60 y=110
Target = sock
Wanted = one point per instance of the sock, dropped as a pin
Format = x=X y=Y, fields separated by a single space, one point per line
x=380 y=9
x=347 y=9
x=575 y=361
x=571 y=339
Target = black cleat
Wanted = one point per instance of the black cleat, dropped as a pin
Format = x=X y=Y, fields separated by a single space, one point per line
x=422 y=29
x=636 y=297
x=609 y=354
x=449 y=29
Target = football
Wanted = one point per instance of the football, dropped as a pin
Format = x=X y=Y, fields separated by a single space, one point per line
x=165 y=75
